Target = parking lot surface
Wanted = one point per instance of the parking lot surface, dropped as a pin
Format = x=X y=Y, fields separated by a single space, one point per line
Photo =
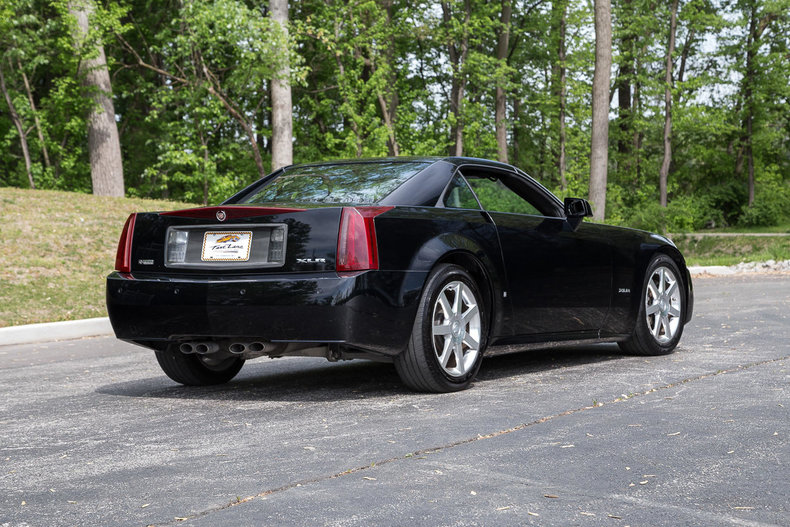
x=92 y=433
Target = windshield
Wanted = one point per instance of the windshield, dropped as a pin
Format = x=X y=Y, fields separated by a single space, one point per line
x=346 y=183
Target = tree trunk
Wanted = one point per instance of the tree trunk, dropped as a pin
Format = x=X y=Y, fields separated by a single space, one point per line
x=388 y=101
x=684 y=54
x=636 y=111
x=457 y=60
x=748 y=102
x=516 y=128
x=562 y=93
x=664 y=172
x=282 y=119
x=500 y=117
x=19 y=128
x=36 y=120
x=104 y=145
x=599 y=148
x=623 y=83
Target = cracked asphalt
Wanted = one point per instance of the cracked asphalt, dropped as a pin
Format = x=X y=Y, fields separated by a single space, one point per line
x=92 y=433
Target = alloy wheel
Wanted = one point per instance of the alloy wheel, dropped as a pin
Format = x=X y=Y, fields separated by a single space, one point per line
x=663 y=304
x=456 y=329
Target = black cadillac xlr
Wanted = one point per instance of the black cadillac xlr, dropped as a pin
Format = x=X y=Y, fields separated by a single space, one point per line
x=428 y=263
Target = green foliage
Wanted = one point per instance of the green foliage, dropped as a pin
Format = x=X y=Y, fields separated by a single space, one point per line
x=771 y=204
x=683 y=214
x=191 y=82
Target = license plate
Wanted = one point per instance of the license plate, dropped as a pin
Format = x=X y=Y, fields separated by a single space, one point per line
x=226 y=246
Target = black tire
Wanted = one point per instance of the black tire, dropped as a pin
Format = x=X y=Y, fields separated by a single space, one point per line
x=658 y=340
x=197 y=370
x=419 y=366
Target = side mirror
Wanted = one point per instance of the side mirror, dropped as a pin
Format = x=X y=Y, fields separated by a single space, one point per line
x=577 y=208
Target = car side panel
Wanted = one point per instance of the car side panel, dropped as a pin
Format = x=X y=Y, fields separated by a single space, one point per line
x=418 y=238
x=559 y=277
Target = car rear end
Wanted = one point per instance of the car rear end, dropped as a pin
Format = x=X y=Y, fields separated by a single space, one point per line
x=257 y=279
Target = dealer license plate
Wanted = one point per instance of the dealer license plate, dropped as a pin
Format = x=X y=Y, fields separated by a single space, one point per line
x=226 y=246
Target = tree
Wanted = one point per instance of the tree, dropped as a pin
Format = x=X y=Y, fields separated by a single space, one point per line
x=599 y=149
x=19 y=127
x=282 y=121
x=663 y=174
x=560 y=8
x=758 y=21
x=103 y=143
x=503 y=44
x=457 y=51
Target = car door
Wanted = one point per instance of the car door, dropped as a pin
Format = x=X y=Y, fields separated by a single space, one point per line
x=559 y=275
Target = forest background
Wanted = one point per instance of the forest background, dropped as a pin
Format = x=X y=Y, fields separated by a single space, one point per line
x=698 y=96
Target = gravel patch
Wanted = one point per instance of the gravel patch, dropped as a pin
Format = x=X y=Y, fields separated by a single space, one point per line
x=769 y=266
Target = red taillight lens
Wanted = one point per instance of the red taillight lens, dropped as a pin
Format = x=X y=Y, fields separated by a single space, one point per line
x=123 y=258
x=356 y=241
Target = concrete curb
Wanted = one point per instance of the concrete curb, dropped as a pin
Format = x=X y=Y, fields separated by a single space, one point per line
x=71 y=329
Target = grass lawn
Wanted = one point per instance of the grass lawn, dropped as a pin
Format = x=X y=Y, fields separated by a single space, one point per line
x=732 y=250
x=57 y=249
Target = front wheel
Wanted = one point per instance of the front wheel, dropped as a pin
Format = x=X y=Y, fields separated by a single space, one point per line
x=197 y=370
x=449 y=334
x=662 y=309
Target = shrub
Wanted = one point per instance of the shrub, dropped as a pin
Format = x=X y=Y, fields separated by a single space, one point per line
x=682 y=214
x=771 y=206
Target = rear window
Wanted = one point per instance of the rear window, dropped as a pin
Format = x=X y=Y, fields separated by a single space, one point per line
x=347 y=183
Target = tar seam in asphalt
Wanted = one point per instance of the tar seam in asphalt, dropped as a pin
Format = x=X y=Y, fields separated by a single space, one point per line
x=424 y=452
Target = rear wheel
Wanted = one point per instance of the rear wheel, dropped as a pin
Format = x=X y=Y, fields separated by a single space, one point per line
x=448 y=336
x=659 y=323
x=197 y=370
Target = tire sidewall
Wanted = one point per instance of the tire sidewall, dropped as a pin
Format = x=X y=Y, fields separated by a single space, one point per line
x=642 y=329
x=436 y=283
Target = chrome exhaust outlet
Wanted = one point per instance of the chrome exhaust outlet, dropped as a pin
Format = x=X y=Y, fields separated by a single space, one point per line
x=256 y=347
x=204 y=348
x=186 y=348
x=237 y=348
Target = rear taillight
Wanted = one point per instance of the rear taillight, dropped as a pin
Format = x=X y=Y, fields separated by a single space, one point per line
x=123 y=258
x=356 y=241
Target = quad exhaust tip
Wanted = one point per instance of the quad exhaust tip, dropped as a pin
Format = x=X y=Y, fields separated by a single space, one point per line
x=201 y=348
x=205 y=348
x=237 y=348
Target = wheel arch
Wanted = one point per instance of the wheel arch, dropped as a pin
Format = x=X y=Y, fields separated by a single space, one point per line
x=485 y=269
x=675 y=255
x=471 y=264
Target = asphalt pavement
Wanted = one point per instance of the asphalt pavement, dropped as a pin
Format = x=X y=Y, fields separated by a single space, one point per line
x=92 y=433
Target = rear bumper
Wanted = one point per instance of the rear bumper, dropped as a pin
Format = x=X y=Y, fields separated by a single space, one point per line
x=372 y=311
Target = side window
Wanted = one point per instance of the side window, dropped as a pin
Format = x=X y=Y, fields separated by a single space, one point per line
x=459 y=195
x=497 y=197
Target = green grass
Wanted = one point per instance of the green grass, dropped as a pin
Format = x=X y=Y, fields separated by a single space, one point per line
x=57 y=249
x=783 y=227
x=732 y=250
